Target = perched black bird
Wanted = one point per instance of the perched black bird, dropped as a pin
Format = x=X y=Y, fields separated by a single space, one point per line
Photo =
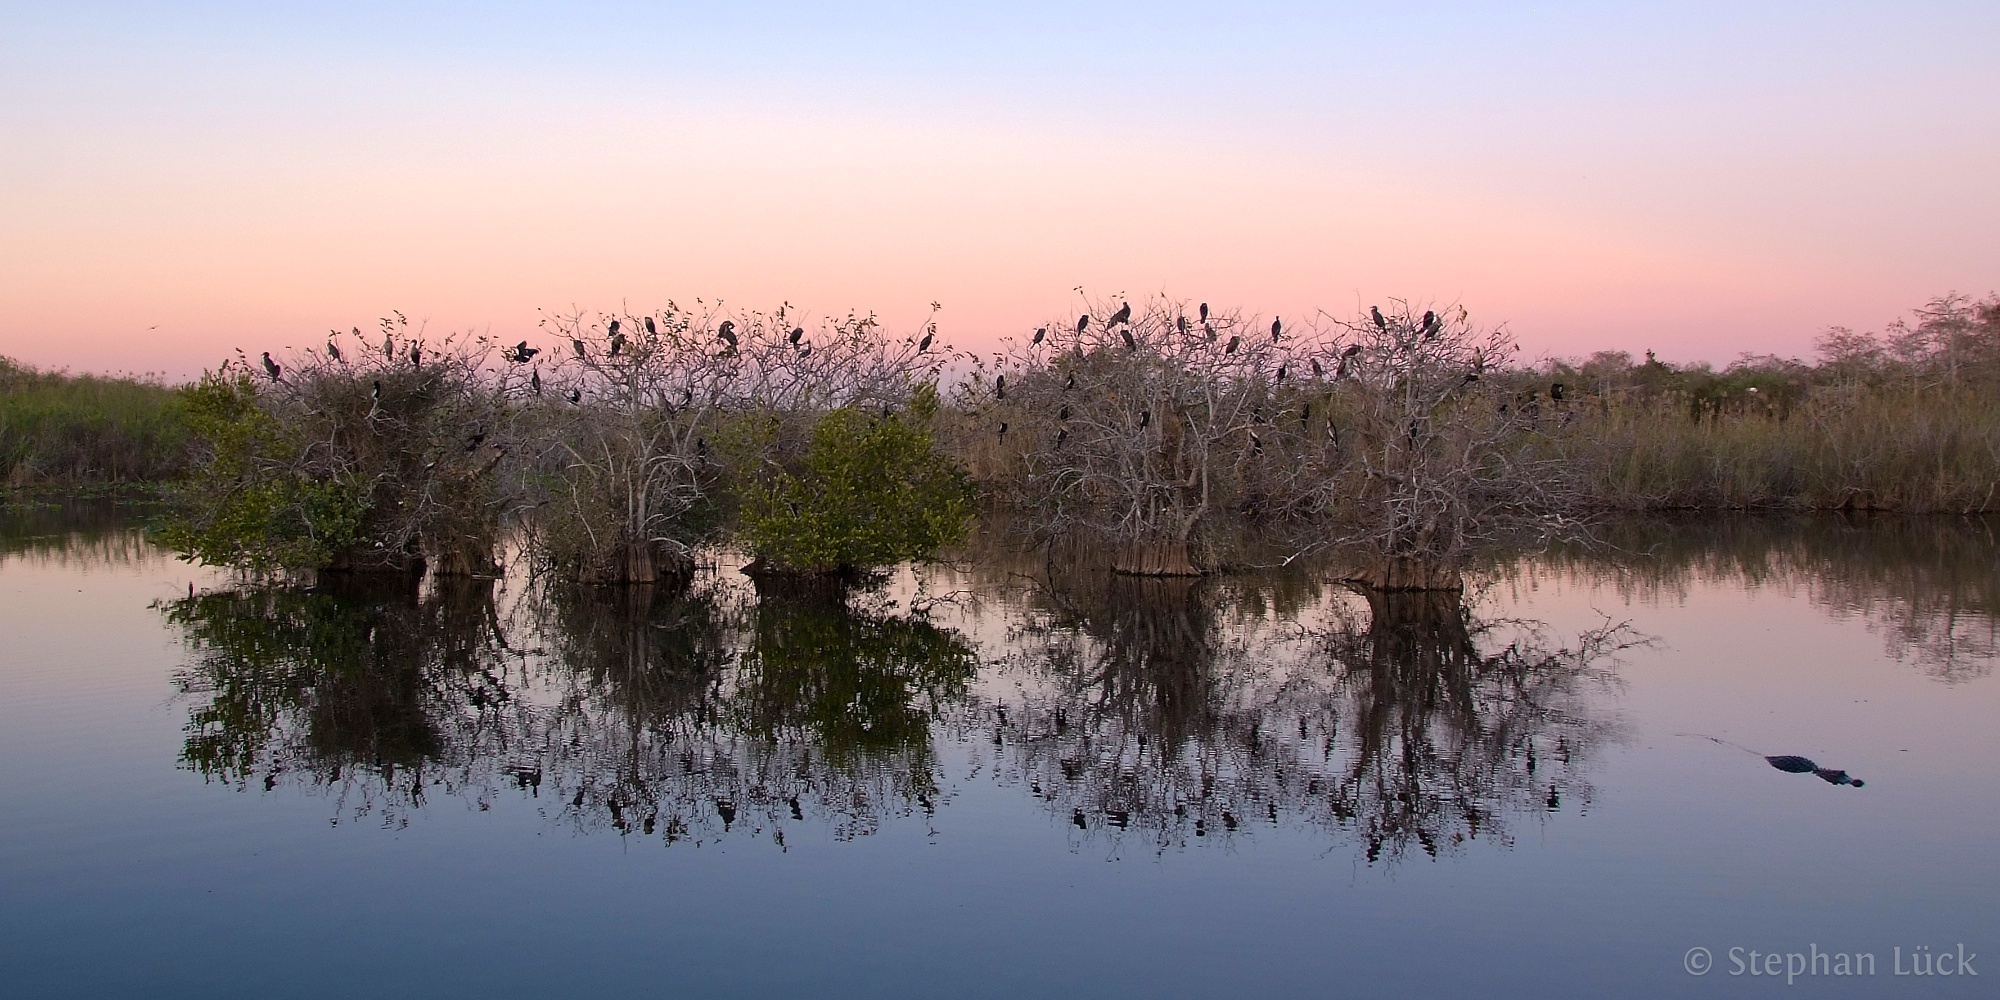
x=578 y=345
x=535 y=381
x=798 y=334
x=333 y=350
x=472 y=443
x=1082 y=321
x=576 y=395
x=925 y=344
x=271 y=367
x=651 y=329
x=1234 y=342
x=1281 y=373
x=1256 y=444
x=1208 y=328
x=1123 y=315
x=375 y=394
x=1556 y=392
x=1130 y=344
x=416 y=356
x=1376 y=313
x=999 y=387
x=1040 y=332
x=617 y=340
x=1003 y=430
x=1276 y=326
x=1071 y=383
x=1430 y=321
x=1145 y=418
x=1181 y=323
x=613 y=329
x=1204 y=312
x=1061 y=436
x=1351 y=351
x=726 y=332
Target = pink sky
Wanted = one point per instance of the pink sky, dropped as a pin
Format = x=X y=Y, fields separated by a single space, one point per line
x=1648 y=180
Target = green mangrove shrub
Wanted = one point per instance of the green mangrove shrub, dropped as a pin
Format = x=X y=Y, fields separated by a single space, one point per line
x=871 y=490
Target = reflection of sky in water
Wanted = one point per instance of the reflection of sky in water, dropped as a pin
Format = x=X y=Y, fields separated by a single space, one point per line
x=925 y=857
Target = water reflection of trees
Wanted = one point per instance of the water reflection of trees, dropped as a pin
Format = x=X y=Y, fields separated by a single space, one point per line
x=1926 y=585
x=1165 y=712
x=672 y=715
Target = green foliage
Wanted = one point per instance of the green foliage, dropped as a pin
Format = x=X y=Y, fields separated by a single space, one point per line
x=62 y=429
x=870 y=491
x=246 y=507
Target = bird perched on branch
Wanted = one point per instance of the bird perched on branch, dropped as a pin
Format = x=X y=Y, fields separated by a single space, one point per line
x=617 y=341
x=1276 y=326
x=1204 y=312
x=1375 y=312
x=416 y=356
x=798 y=333
x=1003 y=430
x=727 y=333
x=472 y=442
x=333 y=350
x=535 y=381
x=1070 y=383
x=1130 y=344
x=1556 y=392
x=576 y=396
x=578 y=345
x=1123 y=315
x=271 y=367
x=999 y=387
x=1145 y=418
x=1234 y=343
x=375 y=394
x=1082 y=322
x=1040 y=332
x=925 y=344
x=652 y=329
x=1430 y=323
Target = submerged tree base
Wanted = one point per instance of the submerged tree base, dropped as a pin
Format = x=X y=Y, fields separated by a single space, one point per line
x=1154 y=559
x=639 y=563
x=1406 y=574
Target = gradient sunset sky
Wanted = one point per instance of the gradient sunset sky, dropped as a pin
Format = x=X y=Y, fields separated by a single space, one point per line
x=178 y=179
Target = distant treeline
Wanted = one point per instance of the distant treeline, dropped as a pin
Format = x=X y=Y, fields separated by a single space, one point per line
x=58 y=429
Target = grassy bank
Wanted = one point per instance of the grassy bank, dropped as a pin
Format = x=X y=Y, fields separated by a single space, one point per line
x=63 y=430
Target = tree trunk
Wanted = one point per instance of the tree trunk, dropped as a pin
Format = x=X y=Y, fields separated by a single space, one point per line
x=641 y=561
x=1154 y=558
x=1407 y=573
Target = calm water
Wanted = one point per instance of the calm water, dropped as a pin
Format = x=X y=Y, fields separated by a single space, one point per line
x=985 y=781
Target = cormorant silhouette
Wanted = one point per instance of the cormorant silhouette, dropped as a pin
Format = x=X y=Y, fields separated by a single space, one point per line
x=1204 y=312
x=1318 y=372
x=1145 y=418
x=1040 y=332
x=577 y=345
x=617 y=340
x=1123 y=315
x=1003 y=430
x=1064 y=415
x=1182 y=324
x=1071 y=383
x=1000 y=387
x=1082 y=321
x=1234 y=342
x=333 y=350
x=798 y=333
x=1375 y=312
x=924 y=344
x=613 y=330
x=1276 y=326
x=1281 y=373
x=651 y=329
x=1130 y=344
x=535 y=381
x=271 y=367
x=1430 y=322
x=1556 y=392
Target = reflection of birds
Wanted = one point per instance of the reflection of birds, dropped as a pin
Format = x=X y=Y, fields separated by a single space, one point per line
x=727 y=810
x=1375 y=313
x=270 y=367
x=1124 y=314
